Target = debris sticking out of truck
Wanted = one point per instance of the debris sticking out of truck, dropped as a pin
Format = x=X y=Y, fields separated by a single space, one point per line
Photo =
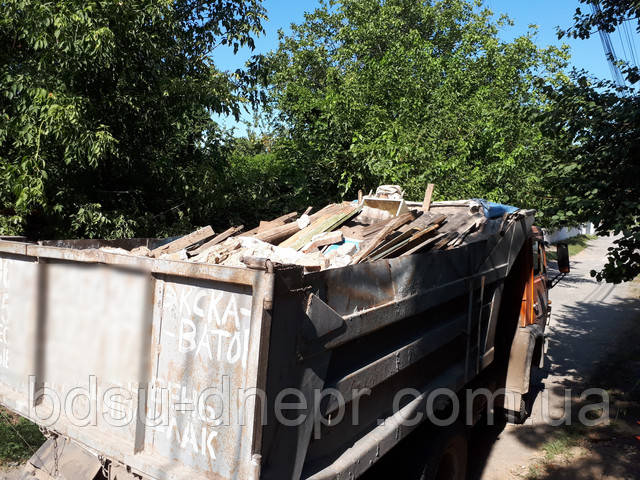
x=377 y=226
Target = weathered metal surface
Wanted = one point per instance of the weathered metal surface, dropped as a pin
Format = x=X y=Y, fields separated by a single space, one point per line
x=354 y=461
x=131 y=356
x=62 y=459
x=384 y=326
x=234 y=275
x=86 y=243
x=423 y=321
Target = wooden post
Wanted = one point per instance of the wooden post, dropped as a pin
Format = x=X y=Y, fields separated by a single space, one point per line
x=426 y=204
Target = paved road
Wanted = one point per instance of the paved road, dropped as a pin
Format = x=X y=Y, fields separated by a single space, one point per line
x=587 y=319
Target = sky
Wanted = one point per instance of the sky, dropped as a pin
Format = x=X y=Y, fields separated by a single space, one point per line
x=546 y=14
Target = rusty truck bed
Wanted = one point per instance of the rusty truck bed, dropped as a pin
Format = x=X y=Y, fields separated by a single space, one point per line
x=129 y=330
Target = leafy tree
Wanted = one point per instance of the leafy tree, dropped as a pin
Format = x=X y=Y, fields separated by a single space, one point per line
x=609 y=14
x=400 y=91
x=595 y=137
x=594 y=131
x=105 y=113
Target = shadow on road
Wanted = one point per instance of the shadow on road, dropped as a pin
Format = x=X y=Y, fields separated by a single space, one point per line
x=587 y=341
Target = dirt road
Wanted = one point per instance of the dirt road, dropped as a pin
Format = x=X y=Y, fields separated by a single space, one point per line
x=587 y=321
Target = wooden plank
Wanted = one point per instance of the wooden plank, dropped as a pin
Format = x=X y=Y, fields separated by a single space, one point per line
x=423 y=245
x=346 y=217
x=471 y=229
x=388 y=248
x=410 y=235
x=183 y=242
x=426 y=203
x=216 y=240
x=327 y=238
x=417 y=239
x=426 y=220
x=326 y=223
x=289 y=217
x=276 y=222
x=352 y=232
x=375 y=227
x=442 y=244
x=283 y=232
x=393 y=242
x=418 y=230
x=380 y=237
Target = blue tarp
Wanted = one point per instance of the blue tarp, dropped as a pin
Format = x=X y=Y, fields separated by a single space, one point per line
x=495 y=210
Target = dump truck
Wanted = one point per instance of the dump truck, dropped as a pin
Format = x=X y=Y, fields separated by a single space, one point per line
x=154 y=368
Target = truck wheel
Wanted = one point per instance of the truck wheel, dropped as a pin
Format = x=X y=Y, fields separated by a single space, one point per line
x=447 y=456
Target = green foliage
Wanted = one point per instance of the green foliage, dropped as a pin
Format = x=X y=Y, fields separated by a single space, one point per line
x=594 y=134
x=607 y=17
x=14 y=432
x=610 y=14
x=369 y=92
x=105 y=113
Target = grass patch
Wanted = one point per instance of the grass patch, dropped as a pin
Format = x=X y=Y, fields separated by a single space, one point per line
x=15 y=433
x=558 y=448
x=576 y=245
x=561 y=444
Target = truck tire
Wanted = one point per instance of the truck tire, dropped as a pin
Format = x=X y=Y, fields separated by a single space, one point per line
x=446 y=458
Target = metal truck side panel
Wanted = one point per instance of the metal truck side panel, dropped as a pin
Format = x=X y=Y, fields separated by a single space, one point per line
x=131 y=358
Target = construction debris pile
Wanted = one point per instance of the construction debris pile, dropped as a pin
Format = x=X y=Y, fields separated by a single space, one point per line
x=375 y=227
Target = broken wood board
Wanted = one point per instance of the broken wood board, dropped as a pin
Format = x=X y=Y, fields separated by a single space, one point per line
x=424 y=244
x=323 y=239
x=181 y=243
x=382 y=235
x=469 y=230
x=276 y=222
x=352 y=232
x=281 y=233
x=325 y=223
x=449 y=237
x=388 y=247
x=216 y=240
x=426 y=220
x=363 y=231
x=408 y=236
x=416 y=239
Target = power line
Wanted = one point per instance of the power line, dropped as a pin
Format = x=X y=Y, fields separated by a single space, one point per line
x=608 y=50
x=624 y=49
x=631 y=42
